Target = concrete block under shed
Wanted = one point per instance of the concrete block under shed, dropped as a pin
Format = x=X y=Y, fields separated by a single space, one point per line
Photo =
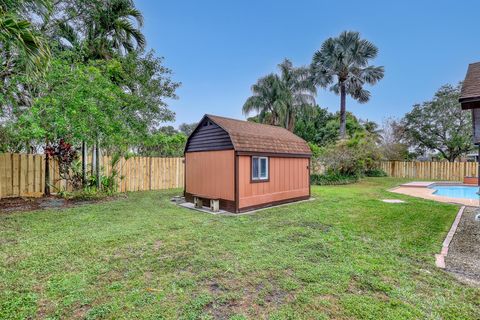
x=198 y=202
x=215 y=205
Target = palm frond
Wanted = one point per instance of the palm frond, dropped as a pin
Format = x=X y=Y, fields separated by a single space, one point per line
x=20 y=36
x=345 y=59
x=372 y=74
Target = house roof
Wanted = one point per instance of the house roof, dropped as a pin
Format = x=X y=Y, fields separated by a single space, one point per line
x=471 y=85
x=249 y=136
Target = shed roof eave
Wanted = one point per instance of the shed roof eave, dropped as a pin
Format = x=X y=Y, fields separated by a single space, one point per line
x=469 y=99
x=470 y=104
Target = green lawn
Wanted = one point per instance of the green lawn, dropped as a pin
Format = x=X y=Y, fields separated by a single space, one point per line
x=345 y=255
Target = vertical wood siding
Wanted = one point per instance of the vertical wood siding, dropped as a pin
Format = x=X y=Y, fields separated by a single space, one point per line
x=23 y=175
x=288 y=178
x=448 y=171
x=211 y=174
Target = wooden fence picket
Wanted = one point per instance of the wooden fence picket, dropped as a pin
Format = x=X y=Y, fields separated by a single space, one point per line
x=23 y=175
x=448 y=171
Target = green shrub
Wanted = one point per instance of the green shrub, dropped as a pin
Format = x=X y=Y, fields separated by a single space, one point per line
x=333 y=178
x=351 y=157
x=375 y=173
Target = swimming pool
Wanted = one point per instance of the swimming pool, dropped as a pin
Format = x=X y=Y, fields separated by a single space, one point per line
x=463 y=192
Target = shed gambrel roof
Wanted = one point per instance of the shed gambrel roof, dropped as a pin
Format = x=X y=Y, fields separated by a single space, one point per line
x=251 y=137
x=471 y=87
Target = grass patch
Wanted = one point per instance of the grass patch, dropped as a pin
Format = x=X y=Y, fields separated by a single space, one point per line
x=344 y=255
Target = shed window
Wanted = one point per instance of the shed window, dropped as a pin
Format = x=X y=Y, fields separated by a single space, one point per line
x=259 y=168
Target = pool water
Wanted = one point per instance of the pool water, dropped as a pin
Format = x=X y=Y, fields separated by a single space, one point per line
x=463 y=192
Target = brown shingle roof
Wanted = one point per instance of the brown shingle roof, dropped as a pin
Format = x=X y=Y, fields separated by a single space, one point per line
x=471 y=84
x=249 y=136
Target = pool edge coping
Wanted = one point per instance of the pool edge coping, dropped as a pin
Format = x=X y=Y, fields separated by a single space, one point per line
x=440 y=257
x=402 y=189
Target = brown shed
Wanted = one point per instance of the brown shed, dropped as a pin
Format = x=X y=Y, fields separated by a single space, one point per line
x=245 y=165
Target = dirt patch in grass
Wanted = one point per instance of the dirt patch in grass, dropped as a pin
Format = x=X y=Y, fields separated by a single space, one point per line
x=157 y=245
x=315 y=225
x=463 y=258
x=81 y=312
x=361 y=286
x=21 y=204
x=255 y=300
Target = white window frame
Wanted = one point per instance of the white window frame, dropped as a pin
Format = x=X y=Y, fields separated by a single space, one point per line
x=260 y=178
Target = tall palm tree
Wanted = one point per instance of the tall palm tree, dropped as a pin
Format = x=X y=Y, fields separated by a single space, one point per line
x=278 y=98
x=265 y=100
x=297 y=91
x=343 y=64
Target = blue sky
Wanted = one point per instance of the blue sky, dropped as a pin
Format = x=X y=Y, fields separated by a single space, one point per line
x=218 y=49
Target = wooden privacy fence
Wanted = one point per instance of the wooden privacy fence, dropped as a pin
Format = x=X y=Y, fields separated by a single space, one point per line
x=24 y=174
x=449 y=171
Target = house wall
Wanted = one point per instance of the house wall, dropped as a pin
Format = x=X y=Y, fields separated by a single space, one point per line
x=289 y=178
x=210 y=174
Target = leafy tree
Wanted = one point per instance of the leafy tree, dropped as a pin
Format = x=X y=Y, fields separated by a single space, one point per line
x=342 y=63
x=149 y=83
x=163 y=144
x=187 y=128
x=317 y=125
x=329 y=133
x=278 y=98
x=310 y=121
x=392 y=144
x=10 y=141
x=80 y=104
x=440 y=125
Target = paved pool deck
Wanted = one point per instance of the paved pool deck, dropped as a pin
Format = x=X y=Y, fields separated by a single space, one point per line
x=420 y=189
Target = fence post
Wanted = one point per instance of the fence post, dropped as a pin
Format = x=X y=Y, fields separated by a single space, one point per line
x=33 y=175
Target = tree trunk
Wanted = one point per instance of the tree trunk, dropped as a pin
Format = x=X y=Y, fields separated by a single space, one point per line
x=343 y=113
x=287 y=119
x=84 y=163
x=47 y=174
x=97 y=164
x=291 y=122
x=92 y=166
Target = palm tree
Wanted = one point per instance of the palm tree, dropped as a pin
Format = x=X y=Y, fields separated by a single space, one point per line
x=109 y=27
x=278 y=98
x=372 y=128
x=297 y=91
x=265 y=100
x=23 y=49
x=343 y=64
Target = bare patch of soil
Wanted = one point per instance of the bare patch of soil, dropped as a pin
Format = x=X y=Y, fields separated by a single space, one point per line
x=20 y=204
x=256 y=300
x=463 y=258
